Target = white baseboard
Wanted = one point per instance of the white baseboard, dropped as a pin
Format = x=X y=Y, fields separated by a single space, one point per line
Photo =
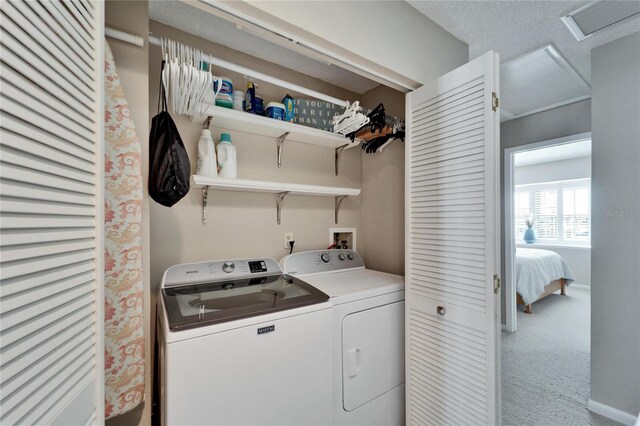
x=612 y=413
x=582 y=286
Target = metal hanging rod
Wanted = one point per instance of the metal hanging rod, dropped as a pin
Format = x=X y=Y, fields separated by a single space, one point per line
x=154 y=40
x=122 y=36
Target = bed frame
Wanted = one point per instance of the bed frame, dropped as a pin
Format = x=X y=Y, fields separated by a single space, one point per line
x=552 y=287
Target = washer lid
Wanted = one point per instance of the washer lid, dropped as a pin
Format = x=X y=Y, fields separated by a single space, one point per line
x=220 y=301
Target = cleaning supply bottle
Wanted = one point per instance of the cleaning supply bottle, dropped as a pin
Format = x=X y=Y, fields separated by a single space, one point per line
x=250 y=99
x=227 y=158
x=207 y=165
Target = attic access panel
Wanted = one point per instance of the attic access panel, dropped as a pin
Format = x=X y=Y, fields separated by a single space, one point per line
x=539 y=80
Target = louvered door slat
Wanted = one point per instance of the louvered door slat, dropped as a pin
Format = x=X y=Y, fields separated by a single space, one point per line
x=462 y=101
x=22 y=353
x=9 y=303
x=72 y=27
x=20 y=111
x=452 y=224
x=69 y=32
x=436 y=145
x=36 y=14
x=82 y=15
x=45 y=137
x=31 y=48
x=51 y=212
x=75 y=169
x=23 y=157
x=43 y=235
x=19 y=14
x=41 y=365
x=28 y=282
x=33 y=98
x=445 y=100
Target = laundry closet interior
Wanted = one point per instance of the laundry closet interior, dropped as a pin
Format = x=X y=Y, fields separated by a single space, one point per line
x=242 y=224
x=298 y=182
x=237 y=195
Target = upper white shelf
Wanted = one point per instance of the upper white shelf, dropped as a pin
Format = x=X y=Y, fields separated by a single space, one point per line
x=246 y=185
x=231 y=119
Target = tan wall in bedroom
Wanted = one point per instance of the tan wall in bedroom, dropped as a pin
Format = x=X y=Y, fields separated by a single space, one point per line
x=132 y=63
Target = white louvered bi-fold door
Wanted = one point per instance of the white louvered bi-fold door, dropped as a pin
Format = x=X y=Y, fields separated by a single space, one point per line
x=51 y=220
x=452 y=252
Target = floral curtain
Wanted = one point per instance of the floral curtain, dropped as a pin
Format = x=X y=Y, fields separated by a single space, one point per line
x=124 y=301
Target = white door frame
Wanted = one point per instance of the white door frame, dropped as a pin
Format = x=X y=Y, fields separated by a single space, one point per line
x=509 y=243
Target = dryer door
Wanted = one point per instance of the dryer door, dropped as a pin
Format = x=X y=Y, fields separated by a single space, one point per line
x=372 y=353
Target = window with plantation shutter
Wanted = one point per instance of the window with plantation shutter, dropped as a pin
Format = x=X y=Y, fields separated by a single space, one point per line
x=576 y=213
x=546 y=214
x=521 y=211
x=51 y=251
x=562 y=211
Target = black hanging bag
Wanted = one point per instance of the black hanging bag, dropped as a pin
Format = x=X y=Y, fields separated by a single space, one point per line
x=169 y=168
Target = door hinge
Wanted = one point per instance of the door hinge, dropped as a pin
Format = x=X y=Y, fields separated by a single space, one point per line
x=495 y=102
x=496 y=283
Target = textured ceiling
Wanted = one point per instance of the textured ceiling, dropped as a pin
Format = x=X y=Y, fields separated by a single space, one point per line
x=553 y=153
x=194 y=21
x=512 y=28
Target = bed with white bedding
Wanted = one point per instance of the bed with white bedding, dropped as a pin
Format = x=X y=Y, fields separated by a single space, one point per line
x=538 y=274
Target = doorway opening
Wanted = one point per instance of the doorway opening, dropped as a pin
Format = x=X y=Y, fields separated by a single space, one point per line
x=546 y=343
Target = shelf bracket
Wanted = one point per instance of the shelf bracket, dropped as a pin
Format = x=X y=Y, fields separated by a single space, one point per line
x=279 y=201
x=281 y=139
x=338 y=201
x=338 y=152
x=205 y=195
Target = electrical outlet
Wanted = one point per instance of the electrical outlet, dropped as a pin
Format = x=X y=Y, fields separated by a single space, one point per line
x=288 y=236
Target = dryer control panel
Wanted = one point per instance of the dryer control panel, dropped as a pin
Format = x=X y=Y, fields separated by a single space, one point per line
x=317 y=261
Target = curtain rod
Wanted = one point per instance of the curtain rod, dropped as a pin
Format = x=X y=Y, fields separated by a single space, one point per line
x=154 y=40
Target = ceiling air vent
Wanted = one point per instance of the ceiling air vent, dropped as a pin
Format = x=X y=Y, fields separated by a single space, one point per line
x=599 y=15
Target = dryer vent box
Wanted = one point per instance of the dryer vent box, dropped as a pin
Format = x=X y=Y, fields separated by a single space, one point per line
x=343 y=238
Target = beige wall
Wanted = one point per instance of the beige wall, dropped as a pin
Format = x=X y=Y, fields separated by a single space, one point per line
x=383 y=193
x=244 y=224
x=133 y=69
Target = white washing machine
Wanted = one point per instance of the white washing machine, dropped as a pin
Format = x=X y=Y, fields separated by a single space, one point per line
x=368 y=335
x=241 y=343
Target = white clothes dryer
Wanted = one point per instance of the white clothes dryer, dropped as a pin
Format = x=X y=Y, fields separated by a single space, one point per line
x=242 y=344
x=368 y=334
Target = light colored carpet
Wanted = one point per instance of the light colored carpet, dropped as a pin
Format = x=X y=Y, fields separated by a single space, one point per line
x=545 y=364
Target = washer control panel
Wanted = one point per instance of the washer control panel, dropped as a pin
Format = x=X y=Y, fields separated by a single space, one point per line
x=312 y=262
x=202 y=272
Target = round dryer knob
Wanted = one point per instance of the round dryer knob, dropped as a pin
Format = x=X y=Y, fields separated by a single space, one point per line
x=228 y=267
x=341 y=256
x=350 y=256
x=325 y=257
